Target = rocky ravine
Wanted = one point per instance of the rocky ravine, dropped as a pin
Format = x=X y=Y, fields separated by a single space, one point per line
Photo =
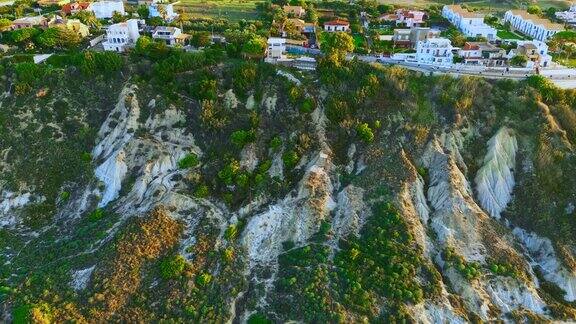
x=444 y=211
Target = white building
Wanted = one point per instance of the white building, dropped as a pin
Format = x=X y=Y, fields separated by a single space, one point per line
x=337 y=26
x=106 y=9
x=154 y=9
x=121 y=36
x=410 y=18
x=568 y=16
x=536 y=53
x=276 y=50
x=438 y=51
x=170 y=35
x=471 y=24
x=532 y=25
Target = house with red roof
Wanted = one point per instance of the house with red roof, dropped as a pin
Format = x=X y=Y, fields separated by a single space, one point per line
x=409 y=18
x=72 y=8
x=338 y=25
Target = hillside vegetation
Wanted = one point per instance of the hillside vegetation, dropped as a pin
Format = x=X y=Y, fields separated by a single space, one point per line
x=204 y=187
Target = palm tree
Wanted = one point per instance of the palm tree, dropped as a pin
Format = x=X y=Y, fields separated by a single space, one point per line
x=162 y=11
x=93 y=22
x=181 y=18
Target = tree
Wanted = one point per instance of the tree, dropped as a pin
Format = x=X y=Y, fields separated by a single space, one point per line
x=568 y=50
x=89 y=19
x=337 y=45
x=155 y=21
x=205 y=88
x=68 y=38
x=49 y=38
x=190 y=160
x=365 y=132
x=4 y=24
x=384 y=8
x=117 y=17
x=172 y=267
x=162 y=11
x=254 y=48
x=181 y=19
x=243 y=77
x=311 y=14
x=242 y=137
x=23 y=34
x=534 y=9
x=518 y=60
x=143 y=12
x=143 y=45
x=291 y=30
x=201 y=39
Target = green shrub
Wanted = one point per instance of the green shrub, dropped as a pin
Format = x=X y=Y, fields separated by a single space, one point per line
x=469 y=270
x=243 y=180
x=258 y=318
x=172 y=267
x=204 y=279
x=202 y=191
x=86 y=157
x=365 y=132
x=231 y=232
x=308 y=105
x=290 y=159
x=96 y=215
x=242 y=137
x=229 y=172
x=188 y=161
x=65 y=195
x=275 y=143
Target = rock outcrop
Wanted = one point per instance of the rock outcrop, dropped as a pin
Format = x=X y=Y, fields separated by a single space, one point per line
x=495 y=179
x=544 y=257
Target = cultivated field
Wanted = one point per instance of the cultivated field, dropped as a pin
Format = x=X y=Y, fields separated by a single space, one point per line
x=246 y=9
x=231 y=9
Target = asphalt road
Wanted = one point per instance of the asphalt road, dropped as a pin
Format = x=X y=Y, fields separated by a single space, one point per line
x=563 y=77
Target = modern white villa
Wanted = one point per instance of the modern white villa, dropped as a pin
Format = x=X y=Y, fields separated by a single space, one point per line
x=121 y=36
x=170 y=35
x=106 y=9
x=471 y=24
x=276 y=49
x=568 y=16
x=337 y=25
x=437 y=51
x=155 y=11
x=532 y=25
x=535 y=51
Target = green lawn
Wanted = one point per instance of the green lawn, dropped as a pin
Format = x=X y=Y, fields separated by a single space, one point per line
x=570 y=62
x=505 y=34
x=358 y=40
x=234 y=10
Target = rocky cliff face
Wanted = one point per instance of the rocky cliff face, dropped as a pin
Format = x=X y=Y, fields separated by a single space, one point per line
x=239 y=245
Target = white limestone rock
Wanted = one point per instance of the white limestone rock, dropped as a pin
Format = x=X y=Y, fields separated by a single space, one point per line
x=543 y=255
x=296 y=218
x=111 y=173
x=495 y=179
x=81 y=278
x=230 y=100
x=351 y=212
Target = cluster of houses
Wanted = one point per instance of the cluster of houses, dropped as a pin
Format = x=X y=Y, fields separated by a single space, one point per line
x=532 y=25
x=430 y=48
x=568 y=16
x=55 y=21
x=297 y=41
x=120 y=36
x=425 y=45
